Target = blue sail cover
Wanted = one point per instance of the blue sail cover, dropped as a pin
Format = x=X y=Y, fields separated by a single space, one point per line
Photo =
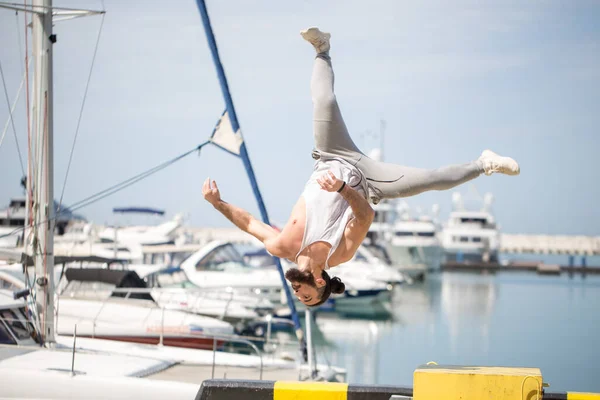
x=138 y=210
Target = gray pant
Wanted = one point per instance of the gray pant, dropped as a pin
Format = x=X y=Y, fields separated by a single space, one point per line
x=385 y=180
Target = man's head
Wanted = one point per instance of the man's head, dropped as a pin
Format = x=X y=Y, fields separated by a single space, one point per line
x=310 y=291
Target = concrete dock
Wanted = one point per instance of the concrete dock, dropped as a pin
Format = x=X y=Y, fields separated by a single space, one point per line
x=530 y=266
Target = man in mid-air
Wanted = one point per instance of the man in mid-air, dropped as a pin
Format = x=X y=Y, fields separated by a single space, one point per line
x=332 y=216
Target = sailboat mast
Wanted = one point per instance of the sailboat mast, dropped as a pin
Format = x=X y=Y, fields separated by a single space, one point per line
x=43 y=246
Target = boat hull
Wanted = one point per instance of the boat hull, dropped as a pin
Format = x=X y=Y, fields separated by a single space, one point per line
x=174 y=341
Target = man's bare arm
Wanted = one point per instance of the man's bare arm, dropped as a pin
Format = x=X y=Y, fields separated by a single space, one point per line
x=246 y=221
x=240 y=217
x=361 y=208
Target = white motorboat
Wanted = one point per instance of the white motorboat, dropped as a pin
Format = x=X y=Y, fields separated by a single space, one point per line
x=366 y=266
x=415 y=242
x=170 y=287
x=471 y=235
x=85 y=300
x=219 y=264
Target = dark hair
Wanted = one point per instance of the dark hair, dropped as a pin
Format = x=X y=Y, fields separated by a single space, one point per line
x=332 y=285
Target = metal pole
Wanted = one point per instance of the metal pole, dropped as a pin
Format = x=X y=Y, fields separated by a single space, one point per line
x=311 y=348
x=115 y=247
x=73 y=357
x=269 y=319
x=246 y=159
x=214 y=356
x=162 y=327
x=43 y=40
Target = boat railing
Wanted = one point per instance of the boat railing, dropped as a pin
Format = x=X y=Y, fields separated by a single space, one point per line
x=182 y=298
x=215 y=338
x=270 y=345
x=190 y=297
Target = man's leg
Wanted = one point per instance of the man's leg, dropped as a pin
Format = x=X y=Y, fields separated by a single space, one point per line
x=392 y=181
x=330 y=133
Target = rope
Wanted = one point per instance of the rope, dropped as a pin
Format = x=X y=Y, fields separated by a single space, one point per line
x=81 y=113
x=115 y=188
x=29 y=151
x=19 y=39
x=128 y=182
x=12 y=121
x=12 y=109
x=32 y=7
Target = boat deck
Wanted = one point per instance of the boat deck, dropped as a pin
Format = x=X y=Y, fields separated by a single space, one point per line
x=199 y=373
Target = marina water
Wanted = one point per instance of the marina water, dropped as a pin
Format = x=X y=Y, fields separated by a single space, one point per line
x=517 y=319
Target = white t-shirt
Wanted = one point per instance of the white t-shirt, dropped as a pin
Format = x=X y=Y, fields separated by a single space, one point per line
x=328 y=213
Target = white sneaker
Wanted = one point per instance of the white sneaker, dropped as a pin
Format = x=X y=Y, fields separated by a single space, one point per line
x=320 y=40
x=492 y=162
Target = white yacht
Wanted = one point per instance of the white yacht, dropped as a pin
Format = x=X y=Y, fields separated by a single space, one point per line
x=411 y=242
x=120 y=242
x=12 y=222
x=11 y=219
x=471 y=235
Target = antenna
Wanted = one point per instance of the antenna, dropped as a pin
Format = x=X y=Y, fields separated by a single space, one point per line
x=488 y=199
x=382 y=126
x=457 y=201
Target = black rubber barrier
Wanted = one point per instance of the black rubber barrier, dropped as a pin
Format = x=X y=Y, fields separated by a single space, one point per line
x=227 y=389
x=376 y=392
x=555 y=396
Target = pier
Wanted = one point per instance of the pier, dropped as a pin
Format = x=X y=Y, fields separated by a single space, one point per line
x=530 y=266
x=575 y=245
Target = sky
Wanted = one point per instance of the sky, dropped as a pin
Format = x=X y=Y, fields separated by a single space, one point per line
x=450 y=78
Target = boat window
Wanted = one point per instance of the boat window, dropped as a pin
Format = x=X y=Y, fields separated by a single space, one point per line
x=16 y=203
x=32 y=332
x=14 y=324
x=221 y=258
x=95 y=290
x=5 y=336
x=464 y=239
x=360 y=257
x=476 y=239
x=177 y=279
x=380 y=216
x=7 y=285
x=421 y=234
x=473 y=220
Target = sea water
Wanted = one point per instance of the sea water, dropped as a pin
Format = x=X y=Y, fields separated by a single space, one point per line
x=516 y=319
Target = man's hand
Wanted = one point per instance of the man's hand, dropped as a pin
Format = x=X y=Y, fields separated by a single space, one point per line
x=329 y=182
x=210 y=193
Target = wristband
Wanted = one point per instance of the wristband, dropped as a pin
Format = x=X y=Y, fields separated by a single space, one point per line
x=342 y=187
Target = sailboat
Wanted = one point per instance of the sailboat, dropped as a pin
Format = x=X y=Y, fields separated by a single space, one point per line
x=39 y=367
x=41 y=219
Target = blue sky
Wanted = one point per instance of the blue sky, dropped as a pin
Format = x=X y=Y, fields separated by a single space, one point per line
x=450 y=78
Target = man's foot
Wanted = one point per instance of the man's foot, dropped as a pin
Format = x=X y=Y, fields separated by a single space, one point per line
x=320 y=40
x=492 y=162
